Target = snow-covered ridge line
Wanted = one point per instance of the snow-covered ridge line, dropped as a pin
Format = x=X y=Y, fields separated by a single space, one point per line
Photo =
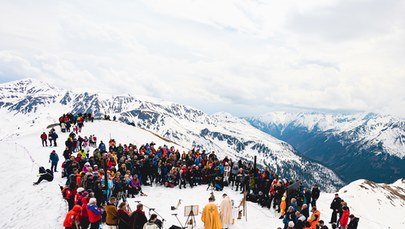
x=368 y=128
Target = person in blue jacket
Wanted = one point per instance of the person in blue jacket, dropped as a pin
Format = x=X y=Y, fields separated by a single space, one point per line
x=53 y=159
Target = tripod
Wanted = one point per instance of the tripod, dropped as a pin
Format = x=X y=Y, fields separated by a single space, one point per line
x=175 y=214
x=192 y=219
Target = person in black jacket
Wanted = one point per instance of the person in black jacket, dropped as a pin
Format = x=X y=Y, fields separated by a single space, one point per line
x=123 y=216
x=138 y=218
x=278 y=194
x=322 y=225
x=315 y=193
x=54 y=136
x=336 y=208
x=44 y=175
x=354 y=221
x=305 y=210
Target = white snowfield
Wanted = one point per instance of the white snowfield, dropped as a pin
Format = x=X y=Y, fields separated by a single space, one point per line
x=42 y=206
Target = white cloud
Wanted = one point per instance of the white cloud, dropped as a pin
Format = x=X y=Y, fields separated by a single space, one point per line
x=238 y=56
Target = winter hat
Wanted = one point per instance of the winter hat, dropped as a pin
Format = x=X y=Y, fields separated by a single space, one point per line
x=92 y=201
x=87 y=163
x=80 y=189
x=291 y=224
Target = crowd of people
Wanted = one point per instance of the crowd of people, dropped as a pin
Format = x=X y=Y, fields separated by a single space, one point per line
x=101 y=175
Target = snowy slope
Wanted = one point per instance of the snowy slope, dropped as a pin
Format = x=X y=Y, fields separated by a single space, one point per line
x=24 y=205
x=42 y=205
x=222 y=133
x=359 y=145
x=378 y=205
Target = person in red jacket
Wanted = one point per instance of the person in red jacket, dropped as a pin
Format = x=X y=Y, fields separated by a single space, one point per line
x=44 y=139
x=344 y=220
x=84 y=216
x=69 y=196
x=80 y=193
x=94 y=213
x=72 y=217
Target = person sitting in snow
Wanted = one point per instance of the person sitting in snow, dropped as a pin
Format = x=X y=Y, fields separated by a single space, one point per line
x=44 y=175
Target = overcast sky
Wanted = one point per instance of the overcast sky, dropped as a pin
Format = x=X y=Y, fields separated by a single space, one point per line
x=243 y=57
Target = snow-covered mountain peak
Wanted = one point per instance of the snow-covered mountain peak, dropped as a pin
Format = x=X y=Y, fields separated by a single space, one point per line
x=25 y=96
x=370 y=128
x=356 y=145
x=28 y=86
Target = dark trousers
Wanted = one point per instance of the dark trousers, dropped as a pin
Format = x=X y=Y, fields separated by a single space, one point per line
x=334 y=216
x=313 y=202
x=84 y=223
x=237 y=184
x=53 y=166
x=71 y=203
x=95 y=225
x=43 y=177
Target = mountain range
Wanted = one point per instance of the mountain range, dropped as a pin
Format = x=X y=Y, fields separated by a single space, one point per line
x=28 y=101
x=355 y=146
x=28 y=106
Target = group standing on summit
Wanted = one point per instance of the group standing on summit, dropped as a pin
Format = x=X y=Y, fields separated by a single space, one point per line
x=101 y=176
